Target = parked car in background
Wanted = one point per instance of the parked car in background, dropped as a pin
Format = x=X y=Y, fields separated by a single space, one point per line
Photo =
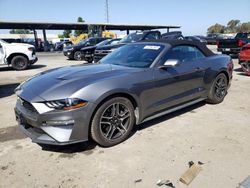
x=244 y=58
x=19 y=55
x=211 y=38
x=172 y=35
x=135 y=83
x=233 y=46
x=196 y=39
x=59 y=46
x=102 y=51
x=12 y=40
x=73 y=52
x=88 y=52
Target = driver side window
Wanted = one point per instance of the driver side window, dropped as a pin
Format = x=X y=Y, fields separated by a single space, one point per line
x=183 y=53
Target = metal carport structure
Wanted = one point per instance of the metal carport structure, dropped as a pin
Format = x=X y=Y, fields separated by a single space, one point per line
x=78 y=26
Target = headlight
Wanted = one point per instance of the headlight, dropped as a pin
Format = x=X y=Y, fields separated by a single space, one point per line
x=66 y=104
x=111 y=50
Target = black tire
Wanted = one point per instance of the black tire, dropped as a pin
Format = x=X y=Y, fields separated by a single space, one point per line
x=90 y=60
x=19 y=62
x=218 y=89
x=113 y=122
x=78 y=56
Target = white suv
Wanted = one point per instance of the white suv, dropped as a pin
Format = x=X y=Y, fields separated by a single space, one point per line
x=18 y=55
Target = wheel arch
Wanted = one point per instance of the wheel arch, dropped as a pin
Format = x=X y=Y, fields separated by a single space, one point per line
x=11 y=56
x=226 y=74
x=132 y=99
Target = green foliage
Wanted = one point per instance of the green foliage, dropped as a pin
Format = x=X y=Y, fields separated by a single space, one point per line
x=66 y=33
x=233 y=26
x=20 y=31
x=78 y=32
x=60 y=36
x=217 y=28
x=79 y=19
x=245 y=27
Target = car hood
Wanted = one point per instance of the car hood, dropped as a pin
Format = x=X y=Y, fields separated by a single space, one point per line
x=88 y=48
x=63 y=82
x=111 y=46
x=20 y=45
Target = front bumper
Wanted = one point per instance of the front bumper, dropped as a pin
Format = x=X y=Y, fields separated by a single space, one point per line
x=36 y=125
x=68 y=53
x=33 y=61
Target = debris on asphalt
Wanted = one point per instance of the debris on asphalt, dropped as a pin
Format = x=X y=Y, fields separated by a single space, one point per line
x=138 y=180
x=200 y=163
x=191 y=173
x=165 y=182
x=190 y=163
x=245 y=183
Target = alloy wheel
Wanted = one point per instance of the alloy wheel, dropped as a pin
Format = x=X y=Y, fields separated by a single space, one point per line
x=114 y=121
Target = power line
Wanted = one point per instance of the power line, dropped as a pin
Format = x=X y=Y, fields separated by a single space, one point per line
x=107 y=10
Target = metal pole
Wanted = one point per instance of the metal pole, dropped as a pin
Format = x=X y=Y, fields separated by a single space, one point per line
x=35 y=37
x=107 y=11
x=45 y=41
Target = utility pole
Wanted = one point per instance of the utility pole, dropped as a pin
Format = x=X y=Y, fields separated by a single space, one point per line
x=107 y=10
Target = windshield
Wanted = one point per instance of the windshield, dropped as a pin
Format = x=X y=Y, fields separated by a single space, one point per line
x=82 y=42
x=103 y=43
x=4 y=42
x=134 y=55
x=133 y=37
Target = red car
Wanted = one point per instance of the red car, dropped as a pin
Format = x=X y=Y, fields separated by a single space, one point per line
x=244 y=58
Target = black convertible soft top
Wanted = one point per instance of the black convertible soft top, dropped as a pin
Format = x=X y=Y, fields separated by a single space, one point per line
x=179 y=42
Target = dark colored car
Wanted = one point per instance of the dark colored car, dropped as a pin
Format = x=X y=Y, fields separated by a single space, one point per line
x=101 y=52
x=172 y=35
x=88 y=52
x=135 y=83
x=59 y=46
x=233 y=46
x=73 y=52
x=196 y=39
x=244 y=58
x=212 y=38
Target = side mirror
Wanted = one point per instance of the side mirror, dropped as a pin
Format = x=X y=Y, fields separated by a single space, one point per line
x=170 y=63
x=88 y=44
x=1 y=46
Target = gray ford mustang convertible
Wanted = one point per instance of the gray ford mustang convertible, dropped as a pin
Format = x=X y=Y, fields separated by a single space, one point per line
x=133 y=84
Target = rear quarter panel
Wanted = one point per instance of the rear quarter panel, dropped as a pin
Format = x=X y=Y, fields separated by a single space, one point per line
x=214 y=65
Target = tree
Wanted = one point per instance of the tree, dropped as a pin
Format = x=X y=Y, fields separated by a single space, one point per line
x=66 y=33
x=20 y=31
x=217 y=28
x=245 y=27
x=78 y=32
x=233 y=26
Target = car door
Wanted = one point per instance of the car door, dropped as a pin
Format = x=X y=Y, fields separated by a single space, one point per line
x=181 y=83
x=1 y=54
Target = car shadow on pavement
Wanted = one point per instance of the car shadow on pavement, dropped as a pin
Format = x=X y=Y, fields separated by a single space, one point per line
x=238 y=70
x=38 y=66
x=85 y=147
x=166 y=117
x=7 y=89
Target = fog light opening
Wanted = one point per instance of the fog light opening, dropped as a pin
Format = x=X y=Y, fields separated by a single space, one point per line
x=59 y=122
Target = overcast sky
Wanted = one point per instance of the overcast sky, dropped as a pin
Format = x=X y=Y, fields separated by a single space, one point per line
x=195 y=16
